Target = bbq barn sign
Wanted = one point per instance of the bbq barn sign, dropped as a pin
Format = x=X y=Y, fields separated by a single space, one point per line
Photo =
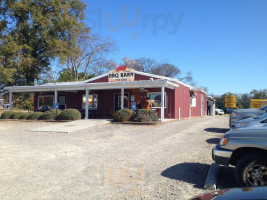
x=121 y=74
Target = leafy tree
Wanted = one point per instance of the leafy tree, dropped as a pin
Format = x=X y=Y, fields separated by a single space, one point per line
x=244 y=101
x=65 y=75
x=259 y=94
x=33 y=33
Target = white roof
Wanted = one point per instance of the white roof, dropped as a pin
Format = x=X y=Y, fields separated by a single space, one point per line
x=79 y=85
x=95 y=86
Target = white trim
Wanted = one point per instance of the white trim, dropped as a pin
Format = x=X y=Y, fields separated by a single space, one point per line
x=95 y=78
x=162 y=104
x=10 y=101
x=163 y=77
x=86 y=103
x=55 y=99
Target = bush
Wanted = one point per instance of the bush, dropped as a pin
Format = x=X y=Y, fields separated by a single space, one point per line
x=50 y=115
x=6 y=115
x=145 y=115
x=123 y=115
x=24 y=116
x=16 y=115
x=35 y=116
x=70 y=114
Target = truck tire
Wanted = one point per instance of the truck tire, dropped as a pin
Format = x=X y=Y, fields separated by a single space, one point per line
x=251 y=170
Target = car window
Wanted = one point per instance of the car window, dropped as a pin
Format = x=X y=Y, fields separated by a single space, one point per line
x=264 y=121
x=262 y=116
x=264 y=107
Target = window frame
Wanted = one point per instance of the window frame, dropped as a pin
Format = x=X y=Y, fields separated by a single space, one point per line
x=84 y=96
x=165 y=98
x=195 y=105
x=46 y=96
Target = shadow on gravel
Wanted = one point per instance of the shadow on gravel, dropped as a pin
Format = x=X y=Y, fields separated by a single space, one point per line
x=193 y=173
x=217 y=130
x=213 y=140
x=226 y=178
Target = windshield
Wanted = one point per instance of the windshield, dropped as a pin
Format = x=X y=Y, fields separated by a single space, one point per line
x=263 y=107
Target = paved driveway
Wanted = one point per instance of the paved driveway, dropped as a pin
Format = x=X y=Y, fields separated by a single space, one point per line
x=168 y=161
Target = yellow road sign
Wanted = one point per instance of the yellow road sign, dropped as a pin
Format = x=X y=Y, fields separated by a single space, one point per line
x=257 y=103
x=230 y=101
x=230 y=105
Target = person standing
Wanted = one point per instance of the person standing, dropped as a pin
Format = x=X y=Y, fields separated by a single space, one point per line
x=209 y=109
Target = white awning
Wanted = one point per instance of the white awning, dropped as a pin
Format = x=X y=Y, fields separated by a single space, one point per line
x=93 y=86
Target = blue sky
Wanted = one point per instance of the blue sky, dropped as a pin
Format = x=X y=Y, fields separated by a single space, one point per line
x=222 y=42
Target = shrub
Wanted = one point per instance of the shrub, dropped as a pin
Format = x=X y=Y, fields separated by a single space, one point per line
x=70 y=114
x=144 y=115
x=50 y=115
x=24 y=116
x=123 y=115
x=16 y=115
x=6 y=115
x=35 y=115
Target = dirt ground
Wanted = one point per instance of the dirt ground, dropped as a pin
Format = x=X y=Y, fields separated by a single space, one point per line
x=168 y=161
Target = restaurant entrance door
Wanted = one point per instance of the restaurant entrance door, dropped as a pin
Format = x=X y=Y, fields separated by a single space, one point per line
x=117 y=101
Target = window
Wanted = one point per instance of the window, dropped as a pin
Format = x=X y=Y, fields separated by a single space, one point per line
x=193 y=102
x=155 y=99
x=92 y=100
x=44 y=101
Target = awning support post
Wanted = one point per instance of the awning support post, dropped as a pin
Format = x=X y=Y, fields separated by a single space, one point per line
x=122 y=98
x=162 y=104
x=86 y=104
x=10 y=101
x=56 y=98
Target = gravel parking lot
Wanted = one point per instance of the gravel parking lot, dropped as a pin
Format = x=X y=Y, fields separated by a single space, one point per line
x=168 y=161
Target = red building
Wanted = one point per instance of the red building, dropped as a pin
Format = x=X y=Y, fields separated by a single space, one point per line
x=121 y=88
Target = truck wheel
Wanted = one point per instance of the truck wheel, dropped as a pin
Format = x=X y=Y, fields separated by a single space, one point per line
x=251 y=170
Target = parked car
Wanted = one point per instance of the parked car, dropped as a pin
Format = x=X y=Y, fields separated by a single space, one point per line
x=252 y=122
x=219 y=111
x=255 y=193
x=246 y=149
x=240 y=114
x=6 y=105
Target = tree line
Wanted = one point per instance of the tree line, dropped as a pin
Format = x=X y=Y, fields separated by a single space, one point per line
x=48 y=41
x=242 y=100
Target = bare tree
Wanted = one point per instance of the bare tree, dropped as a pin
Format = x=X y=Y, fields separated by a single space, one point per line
x=188 y=78
x=131 y=63
x=149 y=65
x=168 y=70
x=103 y=66
x=90 y=50
x=141 y=64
